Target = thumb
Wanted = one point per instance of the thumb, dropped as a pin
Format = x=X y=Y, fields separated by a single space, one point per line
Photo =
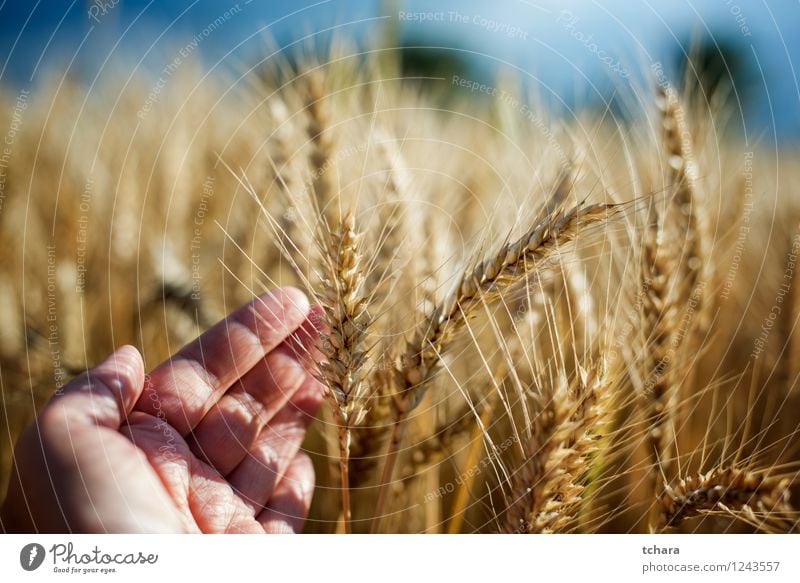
x=105 y=394
x=67 y=460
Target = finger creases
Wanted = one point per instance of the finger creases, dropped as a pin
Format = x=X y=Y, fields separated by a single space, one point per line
x=288 y=507
x=103 y=395
x=184 y=388
x=270 y=407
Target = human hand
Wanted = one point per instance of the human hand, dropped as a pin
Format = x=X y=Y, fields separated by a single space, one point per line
x=207 y=442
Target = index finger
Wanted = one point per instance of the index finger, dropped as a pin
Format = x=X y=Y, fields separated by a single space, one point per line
x=183 y=389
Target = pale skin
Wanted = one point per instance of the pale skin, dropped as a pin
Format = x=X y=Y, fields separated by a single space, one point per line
x=209 y=441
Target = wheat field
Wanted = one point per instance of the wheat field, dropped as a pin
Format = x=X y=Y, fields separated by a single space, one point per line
x=535 y=325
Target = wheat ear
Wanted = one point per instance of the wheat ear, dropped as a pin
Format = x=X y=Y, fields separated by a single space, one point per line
x=547 y=489
x=683 y=175
x=487 y=282
x=391 y=249
x=390 y=257
x=730 y=489
x=322 y=158
x=671 y=269
x=293 y=238
x=661 y=315
x=345 y=305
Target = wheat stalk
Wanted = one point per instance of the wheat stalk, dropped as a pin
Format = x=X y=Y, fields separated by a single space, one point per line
x=345 y=306
x=369 y=439
x=435 y=446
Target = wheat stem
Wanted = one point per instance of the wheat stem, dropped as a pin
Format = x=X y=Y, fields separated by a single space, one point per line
x=344 y=472
x=465 y=486
x=396 y=436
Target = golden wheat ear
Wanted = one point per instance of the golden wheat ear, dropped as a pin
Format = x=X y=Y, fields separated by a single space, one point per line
x=673 y=301
x=515 y=263
x=755 y=498
x=322 y=155
x=548 y=486
x=345 y=303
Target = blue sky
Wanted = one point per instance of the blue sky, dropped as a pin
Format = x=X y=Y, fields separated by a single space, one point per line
x=558 y=46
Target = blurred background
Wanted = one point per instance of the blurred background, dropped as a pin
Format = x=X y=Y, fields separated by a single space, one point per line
x=574 y=54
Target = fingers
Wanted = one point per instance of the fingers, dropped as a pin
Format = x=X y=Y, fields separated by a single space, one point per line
x=169 y=456
x=287 y=509
x=185 y=387
x=103 y=395
x=254 y=479
x=204 y=499
x=224 y=436
x=74 y=471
